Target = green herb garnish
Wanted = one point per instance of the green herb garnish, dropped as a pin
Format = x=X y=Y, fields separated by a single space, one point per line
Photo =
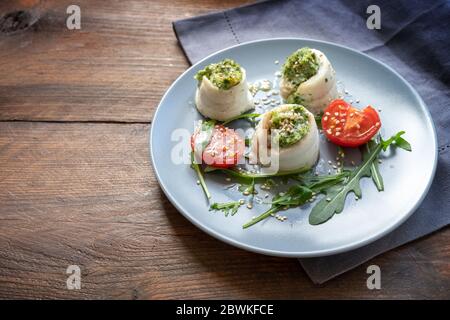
x=397 y=140
x=374 y=168
x=299 y=194
x=318 y=118
x=335 y=200
x=242 y=116
x=227 y=207
x=335 y=187
x=248 y=175
x=198 y=170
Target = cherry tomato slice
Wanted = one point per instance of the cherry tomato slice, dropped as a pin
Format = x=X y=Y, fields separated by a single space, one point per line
x=347 y=126
x=224 y=149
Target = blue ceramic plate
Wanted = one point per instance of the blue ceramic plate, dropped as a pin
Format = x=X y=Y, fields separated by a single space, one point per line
x=407 y=175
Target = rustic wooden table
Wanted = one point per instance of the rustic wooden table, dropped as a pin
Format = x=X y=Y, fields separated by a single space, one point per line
x=77 y=187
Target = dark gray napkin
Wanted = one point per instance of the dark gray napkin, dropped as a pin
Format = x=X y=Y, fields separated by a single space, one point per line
x=414 y=39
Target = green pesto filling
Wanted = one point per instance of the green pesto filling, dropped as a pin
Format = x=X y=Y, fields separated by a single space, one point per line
x=295 y=98
x=300 y=66
x=290 y=125
x=224 y=75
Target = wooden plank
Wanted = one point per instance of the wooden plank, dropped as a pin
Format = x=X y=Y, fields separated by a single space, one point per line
x=85 y=194
x=116 y=68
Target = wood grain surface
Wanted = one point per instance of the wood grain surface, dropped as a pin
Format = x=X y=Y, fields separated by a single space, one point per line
x=115 y=68
x=77 y=187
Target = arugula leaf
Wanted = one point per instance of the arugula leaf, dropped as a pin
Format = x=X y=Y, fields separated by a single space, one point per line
x=299 y=194
x=227 y=207
x=296 y=196
x=318 y=118
x=242 y=116
x=335 y=200
x=248 y=189
x=198 y=170
x=320 y=184
x=398 y=140
x=374 y=169
x=402 y=143
x=248 y=175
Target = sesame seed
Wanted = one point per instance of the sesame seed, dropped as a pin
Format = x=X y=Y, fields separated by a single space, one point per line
x=228 y=179
x=277 y=62
x=198 y=181
x=356 y=198
x=246 y=193
x=241 y=202
x=338 y=134
x=336 y=114
x=328 y=199
x=329 y=162
x=250 y=206
x=325 y=118
x=380 y=161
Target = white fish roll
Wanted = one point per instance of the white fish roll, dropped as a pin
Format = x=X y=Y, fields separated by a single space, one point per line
x=309 y=78
x=223 y=91
x=287 y=136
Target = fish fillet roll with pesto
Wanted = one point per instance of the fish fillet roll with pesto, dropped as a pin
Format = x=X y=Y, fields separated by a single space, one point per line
x=288 y=134
x=308 y=78
x=223 y=91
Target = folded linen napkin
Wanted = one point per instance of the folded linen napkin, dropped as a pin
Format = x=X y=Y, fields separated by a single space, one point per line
x=413 y=39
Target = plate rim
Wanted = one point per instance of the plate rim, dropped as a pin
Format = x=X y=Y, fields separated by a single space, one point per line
x=301 y=254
